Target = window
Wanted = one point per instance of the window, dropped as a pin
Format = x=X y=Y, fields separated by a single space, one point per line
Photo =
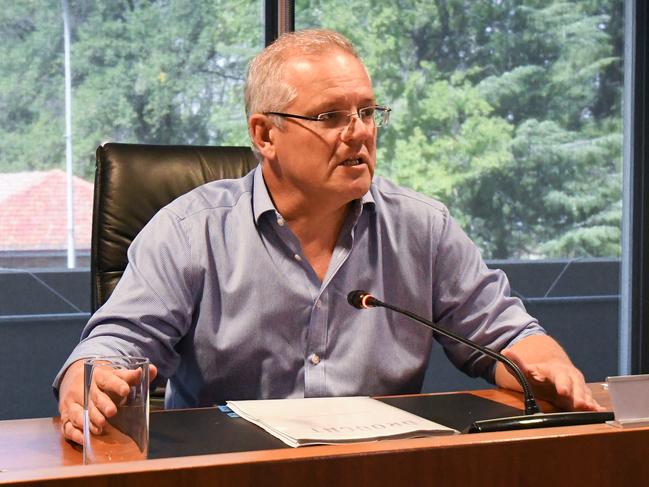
x=168 y=72
x=145 y=72
x=510 y=113
x=507 y=111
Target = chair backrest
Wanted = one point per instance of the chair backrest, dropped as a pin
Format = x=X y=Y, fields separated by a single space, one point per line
x=132 y=182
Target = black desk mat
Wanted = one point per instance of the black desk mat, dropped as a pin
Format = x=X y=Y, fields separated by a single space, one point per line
x=456 y=411
x=208 y=430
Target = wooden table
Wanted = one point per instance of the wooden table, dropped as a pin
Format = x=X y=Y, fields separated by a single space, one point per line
x=33 y=453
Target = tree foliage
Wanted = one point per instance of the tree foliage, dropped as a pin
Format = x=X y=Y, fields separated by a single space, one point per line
x=143 y=71
x=508 y=111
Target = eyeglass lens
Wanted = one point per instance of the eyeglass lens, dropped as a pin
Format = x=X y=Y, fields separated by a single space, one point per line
x=368 y=115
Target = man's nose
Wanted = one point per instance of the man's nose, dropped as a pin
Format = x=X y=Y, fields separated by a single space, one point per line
x=356 y=129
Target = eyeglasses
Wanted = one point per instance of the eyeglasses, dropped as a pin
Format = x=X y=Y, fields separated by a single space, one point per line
x=340 y=119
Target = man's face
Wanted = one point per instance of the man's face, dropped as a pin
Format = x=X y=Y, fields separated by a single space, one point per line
x=332 y=164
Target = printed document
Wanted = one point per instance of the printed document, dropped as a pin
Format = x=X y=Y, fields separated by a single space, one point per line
x=329 y=420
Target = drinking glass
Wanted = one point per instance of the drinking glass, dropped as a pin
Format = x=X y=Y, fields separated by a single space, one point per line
x=125 y=436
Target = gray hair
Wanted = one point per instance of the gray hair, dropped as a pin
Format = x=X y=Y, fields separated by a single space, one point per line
x=266 y=90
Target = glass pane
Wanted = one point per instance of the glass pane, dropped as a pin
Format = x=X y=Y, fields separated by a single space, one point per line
x=165 y=72
x=509 y=112
x=157 y=71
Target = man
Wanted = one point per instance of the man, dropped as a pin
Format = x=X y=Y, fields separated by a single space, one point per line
x=237 y=290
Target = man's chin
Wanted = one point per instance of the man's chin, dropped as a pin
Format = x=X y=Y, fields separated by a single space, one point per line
x=359 y=188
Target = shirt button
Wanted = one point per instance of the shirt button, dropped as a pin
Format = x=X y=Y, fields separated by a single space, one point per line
x=314 y=358
x=297 y=257
x=318 y=304
x=281 y=221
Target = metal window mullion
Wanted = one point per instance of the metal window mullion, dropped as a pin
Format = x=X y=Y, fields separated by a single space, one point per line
x=634 y=311
x=279 y=18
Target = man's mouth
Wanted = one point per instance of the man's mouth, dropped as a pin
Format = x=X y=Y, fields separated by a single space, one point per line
x=352 y=162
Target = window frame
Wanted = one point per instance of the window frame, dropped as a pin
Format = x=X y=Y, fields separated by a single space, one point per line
x=634 y=309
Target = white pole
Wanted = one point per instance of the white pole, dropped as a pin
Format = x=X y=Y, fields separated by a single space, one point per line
x=68 y=137
x=625 y=328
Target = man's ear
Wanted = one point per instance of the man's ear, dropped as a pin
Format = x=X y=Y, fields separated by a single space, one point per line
x=261 y=132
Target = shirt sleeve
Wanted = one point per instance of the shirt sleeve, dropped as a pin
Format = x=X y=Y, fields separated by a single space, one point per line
x=151 y=308
x=474 y=301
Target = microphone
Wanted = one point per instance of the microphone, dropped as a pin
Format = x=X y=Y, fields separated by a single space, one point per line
x=533 y=417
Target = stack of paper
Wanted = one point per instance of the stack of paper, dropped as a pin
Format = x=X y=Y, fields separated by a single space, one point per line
x=325 y=420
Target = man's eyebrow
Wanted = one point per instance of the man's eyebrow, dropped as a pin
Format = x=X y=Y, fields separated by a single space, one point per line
x=340 y=105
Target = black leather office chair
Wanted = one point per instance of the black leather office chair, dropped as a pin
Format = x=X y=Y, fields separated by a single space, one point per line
x=132 y=182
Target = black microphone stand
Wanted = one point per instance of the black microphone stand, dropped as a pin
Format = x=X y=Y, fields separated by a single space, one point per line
x=533 y=417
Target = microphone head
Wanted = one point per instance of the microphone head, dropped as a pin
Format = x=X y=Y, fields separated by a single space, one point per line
x=360 y=299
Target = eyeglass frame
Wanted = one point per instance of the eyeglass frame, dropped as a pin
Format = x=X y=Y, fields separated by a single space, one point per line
x=385 y=111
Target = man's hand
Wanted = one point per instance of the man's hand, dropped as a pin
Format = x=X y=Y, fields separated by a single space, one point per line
x=109 y=387
x=551 y=374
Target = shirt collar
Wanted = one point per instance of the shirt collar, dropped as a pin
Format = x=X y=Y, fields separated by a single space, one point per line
x=262 y=202
x=368 y=199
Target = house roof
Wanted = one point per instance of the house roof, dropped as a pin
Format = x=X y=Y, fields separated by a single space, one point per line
x=33 y=213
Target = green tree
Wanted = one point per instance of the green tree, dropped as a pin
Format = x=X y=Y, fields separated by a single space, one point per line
x=509 y=112
x=31 y=86
x=145 y=71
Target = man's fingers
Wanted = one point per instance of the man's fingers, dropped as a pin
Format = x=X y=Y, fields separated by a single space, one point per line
x=119 y=381
x=72 y=419
x=113 y=381
x=551 y=374
x=72 y=423
x=74 y=416
x=106 y=402
x=97 y=418
x=71 y=432
x=564 y=382
x=583 y=402
x=572 y=391
x=580 y=397
x=72 y=426
x=109 y=390
x=153 y=372
x=110 y=387
x=133 y=377
x=562 y=385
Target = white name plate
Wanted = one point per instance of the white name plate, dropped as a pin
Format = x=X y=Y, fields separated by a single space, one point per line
x=630 y=398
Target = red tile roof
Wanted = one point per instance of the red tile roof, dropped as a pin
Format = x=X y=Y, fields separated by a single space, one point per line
x=33 y=211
